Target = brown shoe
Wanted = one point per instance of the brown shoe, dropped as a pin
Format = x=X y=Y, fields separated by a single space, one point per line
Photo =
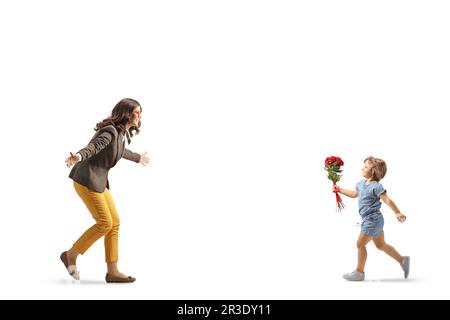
x=112 y=279
x=71 y=269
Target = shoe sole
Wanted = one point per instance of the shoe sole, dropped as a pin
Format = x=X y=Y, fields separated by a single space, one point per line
x=110 y=279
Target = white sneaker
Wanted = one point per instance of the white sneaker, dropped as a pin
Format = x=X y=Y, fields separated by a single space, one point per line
x=354 y=276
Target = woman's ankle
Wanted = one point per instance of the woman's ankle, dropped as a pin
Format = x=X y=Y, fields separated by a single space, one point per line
x=111 y=267
x=72 y=255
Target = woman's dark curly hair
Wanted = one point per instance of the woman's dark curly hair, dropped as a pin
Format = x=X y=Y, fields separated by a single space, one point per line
x=120 y=116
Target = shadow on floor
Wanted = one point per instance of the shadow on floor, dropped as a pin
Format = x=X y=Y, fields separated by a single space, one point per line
x=80 y=282
x=396 y=280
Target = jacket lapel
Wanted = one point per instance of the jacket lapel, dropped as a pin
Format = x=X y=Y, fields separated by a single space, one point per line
x=119 y=148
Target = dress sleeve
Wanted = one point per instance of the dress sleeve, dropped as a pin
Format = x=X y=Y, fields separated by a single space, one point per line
x=379 y=190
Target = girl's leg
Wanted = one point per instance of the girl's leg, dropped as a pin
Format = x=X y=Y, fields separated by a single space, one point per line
x=363 y=240
x=383 y=246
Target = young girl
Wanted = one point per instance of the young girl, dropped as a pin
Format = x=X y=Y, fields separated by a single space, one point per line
x=369 y=193
x=90 y=179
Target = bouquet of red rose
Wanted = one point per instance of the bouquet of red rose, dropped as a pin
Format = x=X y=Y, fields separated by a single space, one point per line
x=333 y=167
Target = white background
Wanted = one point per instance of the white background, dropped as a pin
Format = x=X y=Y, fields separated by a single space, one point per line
x=242 y=102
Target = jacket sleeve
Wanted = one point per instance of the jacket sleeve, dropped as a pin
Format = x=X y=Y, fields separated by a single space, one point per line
x=132 y=156
x=96 y=145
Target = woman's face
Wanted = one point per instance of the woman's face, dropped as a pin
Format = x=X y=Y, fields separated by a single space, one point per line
x=366 y=172
x=136 y=117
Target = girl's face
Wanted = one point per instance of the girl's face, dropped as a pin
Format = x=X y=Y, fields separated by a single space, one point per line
x=136 y=117
x=366 y=170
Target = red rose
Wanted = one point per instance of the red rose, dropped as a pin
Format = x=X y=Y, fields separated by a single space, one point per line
x=333 y=167
x=339 y=160
x=330 y=160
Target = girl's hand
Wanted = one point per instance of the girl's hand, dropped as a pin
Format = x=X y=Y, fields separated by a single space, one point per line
x=144 y=159
x=336 y=188
x=400 y=217
x=71 y=160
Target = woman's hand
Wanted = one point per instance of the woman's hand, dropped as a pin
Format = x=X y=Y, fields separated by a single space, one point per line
x=71 y=160
x=144 y=159
x=336 y=188
x=400 y=217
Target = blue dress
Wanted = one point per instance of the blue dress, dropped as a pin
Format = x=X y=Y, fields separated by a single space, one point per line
x=369 y=207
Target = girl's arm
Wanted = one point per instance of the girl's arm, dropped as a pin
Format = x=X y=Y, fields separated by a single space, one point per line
x=346 y=192
x=400 y=216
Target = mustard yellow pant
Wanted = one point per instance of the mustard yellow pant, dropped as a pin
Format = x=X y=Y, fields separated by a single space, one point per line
x=103 y=210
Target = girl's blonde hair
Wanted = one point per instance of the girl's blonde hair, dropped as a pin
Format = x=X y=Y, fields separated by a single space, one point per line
x=378 y=169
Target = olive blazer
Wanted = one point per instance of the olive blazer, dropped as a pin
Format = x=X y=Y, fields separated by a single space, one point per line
x=102 y=153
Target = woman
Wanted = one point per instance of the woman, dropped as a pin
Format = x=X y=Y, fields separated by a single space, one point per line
x=90 y=179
